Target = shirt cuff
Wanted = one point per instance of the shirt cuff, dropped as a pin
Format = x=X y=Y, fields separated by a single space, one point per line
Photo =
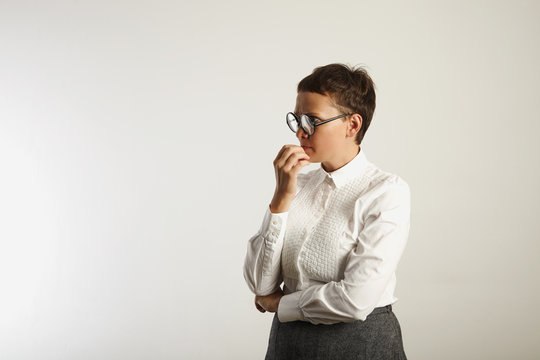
x=274 y=224
x=288 y=309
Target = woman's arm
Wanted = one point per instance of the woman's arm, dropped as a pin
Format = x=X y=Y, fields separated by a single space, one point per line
x=262 y=264
x=369 y=268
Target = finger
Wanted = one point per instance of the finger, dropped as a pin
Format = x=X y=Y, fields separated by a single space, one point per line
x=301 y=164
x=281 y=151
x=289 y=159
x=298 y=167
x=289 y=151
x=258 y=306
x=295 y=159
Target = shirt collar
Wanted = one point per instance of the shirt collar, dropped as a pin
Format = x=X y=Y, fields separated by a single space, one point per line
x=350 y=170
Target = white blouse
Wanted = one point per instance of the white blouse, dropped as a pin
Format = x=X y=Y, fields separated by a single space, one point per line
x=338 y=246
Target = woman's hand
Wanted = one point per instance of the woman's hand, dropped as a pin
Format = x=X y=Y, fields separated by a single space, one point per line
x=287 y=165
x=270 y=302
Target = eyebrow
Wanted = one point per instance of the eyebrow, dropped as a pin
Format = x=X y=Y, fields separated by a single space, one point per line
x=313 y=114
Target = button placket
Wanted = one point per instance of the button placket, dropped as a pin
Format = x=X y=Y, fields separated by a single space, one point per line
x=327 y=190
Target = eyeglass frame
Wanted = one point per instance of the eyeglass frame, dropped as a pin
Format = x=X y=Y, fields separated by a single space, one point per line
x=310 y=118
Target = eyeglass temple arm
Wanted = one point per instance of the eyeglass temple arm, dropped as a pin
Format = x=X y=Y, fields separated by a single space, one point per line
x=334 y=118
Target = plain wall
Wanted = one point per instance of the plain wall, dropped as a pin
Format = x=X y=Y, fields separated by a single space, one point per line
x=136 y=149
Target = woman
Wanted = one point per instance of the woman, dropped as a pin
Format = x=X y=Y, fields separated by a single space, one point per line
x=333 y=235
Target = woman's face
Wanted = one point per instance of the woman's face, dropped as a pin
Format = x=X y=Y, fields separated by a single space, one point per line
x=328 y=140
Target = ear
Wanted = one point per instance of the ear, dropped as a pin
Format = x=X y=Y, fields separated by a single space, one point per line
x=355 y=124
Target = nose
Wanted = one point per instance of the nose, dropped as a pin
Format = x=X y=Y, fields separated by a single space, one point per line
x=300 y=133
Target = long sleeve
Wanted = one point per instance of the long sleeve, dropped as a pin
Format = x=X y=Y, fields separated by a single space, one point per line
x=369 y=267
x=262 y=264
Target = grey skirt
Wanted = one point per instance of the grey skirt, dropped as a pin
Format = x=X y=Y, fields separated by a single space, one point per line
x=376 y=338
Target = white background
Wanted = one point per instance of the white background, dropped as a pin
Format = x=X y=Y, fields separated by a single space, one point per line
x=136 y=149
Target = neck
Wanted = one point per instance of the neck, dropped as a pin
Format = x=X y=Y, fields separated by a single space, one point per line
x=342 y=160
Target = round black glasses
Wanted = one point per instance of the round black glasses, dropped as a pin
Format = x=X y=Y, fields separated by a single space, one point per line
x=307 y=122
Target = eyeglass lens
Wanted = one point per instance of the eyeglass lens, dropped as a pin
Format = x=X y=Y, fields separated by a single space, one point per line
x=305 y=122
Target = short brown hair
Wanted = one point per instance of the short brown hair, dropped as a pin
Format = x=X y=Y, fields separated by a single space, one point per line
x=350 y=89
